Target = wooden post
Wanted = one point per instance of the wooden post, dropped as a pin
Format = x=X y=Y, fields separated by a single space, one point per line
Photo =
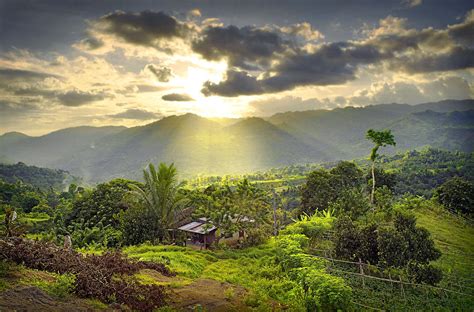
x=401 y=286
x=326 y=256
x=362 y=272
x=390 y=277
x=67 y=242
x=275 y=227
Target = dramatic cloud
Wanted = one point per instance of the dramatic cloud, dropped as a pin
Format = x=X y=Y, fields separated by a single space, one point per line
x=147 y=28
x=177 y=97
x=135 y=113
x=457 y=58
x=163 y=74
x=78 y=98
x=334 y=63
x=236 y=83
x=407 y=50
x=247 y=47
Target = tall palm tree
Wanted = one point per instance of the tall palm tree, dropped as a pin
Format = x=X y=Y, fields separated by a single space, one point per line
x=160 y=197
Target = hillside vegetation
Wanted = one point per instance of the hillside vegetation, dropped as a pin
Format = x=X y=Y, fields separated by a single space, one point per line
x=334 y=249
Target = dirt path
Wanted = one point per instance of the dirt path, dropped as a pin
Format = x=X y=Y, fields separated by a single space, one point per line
x=211 y=295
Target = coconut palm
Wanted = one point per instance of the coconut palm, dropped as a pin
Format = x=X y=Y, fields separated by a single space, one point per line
x=160 y=197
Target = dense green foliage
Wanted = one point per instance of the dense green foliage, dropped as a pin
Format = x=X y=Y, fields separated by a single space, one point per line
x=420 y=172
x=38 y=177
x=457 y=194
x=397 y=245
x=323 y=187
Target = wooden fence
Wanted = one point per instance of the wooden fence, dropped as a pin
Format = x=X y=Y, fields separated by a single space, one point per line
x=363 y=270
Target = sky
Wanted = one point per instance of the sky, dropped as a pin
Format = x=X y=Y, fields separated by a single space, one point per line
x=71 y=63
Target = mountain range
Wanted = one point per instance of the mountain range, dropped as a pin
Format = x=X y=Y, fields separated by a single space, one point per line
x=228 y=146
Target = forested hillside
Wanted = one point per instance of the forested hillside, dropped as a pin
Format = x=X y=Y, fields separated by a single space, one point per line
x=38 y=177
x=198 y=145
x=314 y=240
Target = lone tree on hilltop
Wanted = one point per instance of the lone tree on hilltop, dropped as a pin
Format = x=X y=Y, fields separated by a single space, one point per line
x=380 y=139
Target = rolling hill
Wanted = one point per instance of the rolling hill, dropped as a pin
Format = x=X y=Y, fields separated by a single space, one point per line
x=199 y=145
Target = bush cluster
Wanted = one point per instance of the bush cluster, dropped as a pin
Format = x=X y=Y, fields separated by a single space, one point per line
x=402 y=245
x=322 y=291
x=108 y=277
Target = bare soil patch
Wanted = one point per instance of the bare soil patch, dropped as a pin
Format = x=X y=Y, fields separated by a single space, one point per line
x=210 y=295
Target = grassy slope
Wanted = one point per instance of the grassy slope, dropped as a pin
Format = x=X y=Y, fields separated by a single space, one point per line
x=454 y=237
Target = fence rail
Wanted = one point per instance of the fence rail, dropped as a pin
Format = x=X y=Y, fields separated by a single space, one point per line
x=364 y=275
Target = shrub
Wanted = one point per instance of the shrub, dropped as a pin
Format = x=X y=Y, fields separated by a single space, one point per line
x=106 y=277
x=347 y=239
x=324 y=292
x=313 y=227
x=424 y=273
x=368 y=244
x=457 y=194
x=392 y=247
x=256 y=236
x=351 y=202
x=420 y=247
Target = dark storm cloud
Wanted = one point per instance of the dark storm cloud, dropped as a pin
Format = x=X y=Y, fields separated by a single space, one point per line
x=163 y=74
x=177 y=97
x=334 y=63
x=464 y=32
x=78 y=98
x=236 y=83
x=137 y=114
x=143 y=28
x=456 y=59
x=247 y=47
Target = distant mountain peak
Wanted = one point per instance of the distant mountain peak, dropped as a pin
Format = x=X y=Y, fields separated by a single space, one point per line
x=12 y=134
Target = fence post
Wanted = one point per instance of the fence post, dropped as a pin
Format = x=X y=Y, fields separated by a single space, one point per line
x=362 y=272
x=401 y=286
